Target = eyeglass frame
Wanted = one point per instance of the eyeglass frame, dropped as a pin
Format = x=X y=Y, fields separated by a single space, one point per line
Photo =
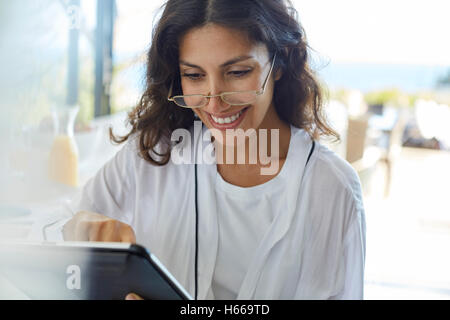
x=208 y=97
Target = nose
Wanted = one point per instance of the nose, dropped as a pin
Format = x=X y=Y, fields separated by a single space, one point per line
x=215 y=104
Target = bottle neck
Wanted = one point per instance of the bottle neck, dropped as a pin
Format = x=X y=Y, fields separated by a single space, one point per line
x=64 y=120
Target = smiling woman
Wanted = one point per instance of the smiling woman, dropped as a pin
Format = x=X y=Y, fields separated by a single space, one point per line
x=236 y=78
x=243 y=44
x=226 y=230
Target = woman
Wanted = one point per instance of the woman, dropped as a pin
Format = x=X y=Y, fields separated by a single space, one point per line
x=230 y=230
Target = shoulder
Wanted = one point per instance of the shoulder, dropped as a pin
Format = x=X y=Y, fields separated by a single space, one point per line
x=327 y=168
x=132 y=151
x=344 y=193
x=127 y=156
x=332 y=197
x=147 y=173
x=333 y=191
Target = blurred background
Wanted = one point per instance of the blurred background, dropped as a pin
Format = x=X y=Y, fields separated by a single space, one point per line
x=73 y=68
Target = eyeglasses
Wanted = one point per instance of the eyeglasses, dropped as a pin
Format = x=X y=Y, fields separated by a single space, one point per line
x=235 y=98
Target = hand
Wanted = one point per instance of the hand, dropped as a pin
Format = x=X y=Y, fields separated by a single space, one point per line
x=91 y=226
x=133 y=296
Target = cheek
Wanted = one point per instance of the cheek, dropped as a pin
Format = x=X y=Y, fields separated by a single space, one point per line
x=188 y=87
x=259 y=111
x=266 y=103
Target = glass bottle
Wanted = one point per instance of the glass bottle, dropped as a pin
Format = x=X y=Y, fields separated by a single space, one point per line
x=63 y=161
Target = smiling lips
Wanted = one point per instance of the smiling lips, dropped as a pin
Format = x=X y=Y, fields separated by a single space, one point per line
x=229 y=122
x=228 y=119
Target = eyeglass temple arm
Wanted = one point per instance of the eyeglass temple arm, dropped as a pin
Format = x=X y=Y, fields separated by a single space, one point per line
x=170 y=92
x=268 y=75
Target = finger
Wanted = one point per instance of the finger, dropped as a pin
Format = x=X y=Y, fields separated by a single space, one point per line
x=133 y=296
x=68 y=230
x=109 y=231
x=80 y=231
x=127 y=234
x=78 y=227
x=91 y=231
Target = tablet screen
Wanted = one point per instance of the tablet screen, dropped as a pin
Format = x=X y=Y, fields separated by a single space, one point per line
x=87 y=271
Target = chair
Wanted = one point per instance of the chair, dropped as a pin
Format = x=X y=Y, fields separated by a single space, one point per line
x=356 y=138
x=392 y=147
x=363 y=158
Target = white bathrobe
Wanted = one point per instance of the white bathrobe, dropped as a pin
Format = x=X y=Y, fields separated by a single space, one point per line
x=314 y=247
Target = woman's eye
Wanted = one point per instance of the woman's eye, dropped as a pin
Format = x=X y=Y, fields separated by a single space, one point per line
x=192 y=76
x=239 y=73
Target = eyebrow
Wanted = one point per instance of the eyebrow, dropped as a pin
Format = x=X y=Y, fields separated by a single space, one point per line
x=229 y=62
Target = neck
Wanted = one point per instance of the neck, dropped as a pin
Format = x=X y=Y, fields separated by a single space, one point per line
x=256 y=157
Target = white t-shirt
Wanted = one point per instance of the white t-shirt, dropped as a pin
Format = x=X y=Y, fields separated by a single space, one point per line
x=300 y=235
x=244 y=216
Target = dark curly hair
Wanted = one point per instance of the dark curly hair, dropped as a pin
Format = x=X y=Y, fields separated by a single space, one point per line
x=297 y=94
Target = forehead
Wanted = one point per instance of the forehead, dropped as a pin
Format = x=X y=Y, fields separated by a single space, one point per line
x=214 y=44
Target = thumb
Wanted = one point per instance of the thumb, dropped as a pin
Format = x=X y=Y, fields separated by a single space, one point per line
x=133 y=296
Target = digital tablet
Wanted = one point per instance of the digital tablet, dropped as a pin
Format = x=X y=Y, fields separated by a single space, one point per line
x=86 y=271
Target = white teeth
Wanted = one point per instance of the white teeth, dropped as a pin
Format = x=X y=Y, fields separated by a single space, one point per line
x=228 y=119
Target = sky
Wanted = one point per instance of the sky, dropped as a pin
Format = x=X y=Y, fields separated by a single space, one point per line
x=381 y=31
